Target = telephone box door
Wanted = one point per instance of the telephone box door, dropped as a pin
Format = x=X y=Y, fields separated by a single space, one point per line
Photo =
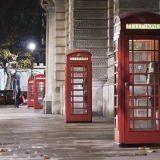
x=78 y=87
x=30 y=93
x=39 y=91
x=142 y=90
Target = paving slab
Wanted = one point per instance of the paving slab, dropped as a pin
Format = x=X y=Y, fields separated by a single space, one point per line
x=26 y=134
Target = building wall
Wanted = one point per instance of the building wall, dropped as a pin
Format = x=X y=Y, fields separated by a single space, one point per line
x=88 y=25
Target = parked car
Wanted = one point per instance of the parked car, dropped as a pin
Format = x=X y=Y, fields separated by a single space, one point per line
x=6 y=97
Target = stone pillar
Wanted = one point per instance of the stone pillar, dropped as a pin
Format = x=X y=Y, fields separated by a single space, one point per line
x=50 y=50
x=108 y=87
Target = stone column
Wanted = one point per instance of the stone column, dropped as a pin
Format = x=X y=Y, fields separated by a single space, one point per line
x=50 y=52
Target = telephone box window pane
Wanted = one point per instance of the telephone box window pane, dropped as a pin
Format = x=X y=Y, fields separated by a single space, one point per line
x=131 y=125
x=140 y=101
x=157 y=78
x=142 y=45
x=130 y=102
x=144 y=124
x=130 y=44
x=115 y=67
x=130 y=68
x=140 y=79
x=116 y=101
x=76 y=80
x=156 y=45
x=157 y=101
x=130 y=91
x=140 y=90
x=78 y=99
x=131 y=113
x=156 y=56
x=142 y=56
x=77 y=93
x=142 y=113
x=116 y=78
x=116 y=56
x=150 y=90
x=139 y=68
x=130 y=56
x=78 y=111
x=115 y=90
x=150 y=78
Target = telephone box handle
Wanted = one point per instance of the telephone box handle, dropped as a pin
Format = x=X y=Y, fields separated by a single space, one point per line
x=126 y=84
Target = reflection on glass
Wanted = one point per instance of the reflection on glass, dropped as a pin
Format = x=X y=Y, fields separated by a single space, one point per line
x=130 y=68
x=142 y=56
x=156 y=66
x=150 y=78
x=131 y=113
x=140 y=101
x=130 y=102
x=130 y=56
x=131 y=125
x=130 y=90
x=116 y=101
x=130 y=44
x=139 y=68
x=116 y=78
x=116 y=56
x=140 y=90
x=142 y=45
x=157 y=78
x=144 y=124
x=156 y=56
x=156 y=45
x=145 y=113
x=140 y=79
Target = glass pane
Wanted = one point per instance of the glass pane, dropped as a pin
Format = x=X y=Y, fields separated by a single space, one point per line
x=131 y=125
x=148 y=113
x=77 y=80
x=115 y=90
x=116 y=78
x=130 y=102
x=130 y=68
x=157 y=79
x=130 y=56
x=115 y=67
x=131 y=113
x=140 y=79
x=138 y=68
x=156 y=45
x=130 y=90
x=77 y=99
x=150 y=90
x=116 y=56
x=156 y=56
x=157 y=113
x=140 y=90
x=150 y=67
x=142 y=45
x=142 y=56
x=116 y=101
x=76 y=93
x=140 y=101
x=130 y=44
x=156 y=66
x=77 y=105
x=144 y=124
x=150 y=78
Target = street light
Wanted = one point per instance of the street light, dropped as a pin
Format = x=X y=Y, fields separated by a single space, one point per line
x=31 y=46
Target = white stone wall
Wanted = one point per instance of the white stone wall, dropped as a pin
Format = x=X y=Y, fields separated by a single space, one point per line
x=23 y=76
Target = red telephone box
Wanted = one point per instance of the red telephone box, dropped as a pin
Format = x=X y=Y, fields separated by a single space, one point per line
x=137 y=78
x=30 y=93
x=78 y=86
x=39 y=91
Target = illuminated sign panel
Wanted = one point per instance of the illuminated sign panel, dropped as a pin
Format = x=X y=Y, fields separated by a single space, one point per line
x=79 y=58
x=142 y=26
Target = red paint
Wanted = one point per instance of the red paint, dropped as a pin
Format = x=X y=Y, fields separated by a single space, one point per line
x=78 y=86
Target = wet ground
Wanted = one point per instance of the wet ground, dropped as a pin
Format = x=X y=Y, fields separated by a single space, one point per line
x=27 y=134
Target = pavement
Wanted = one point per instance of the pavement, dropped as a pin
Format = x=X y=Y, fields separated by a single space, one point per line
x=27 y=134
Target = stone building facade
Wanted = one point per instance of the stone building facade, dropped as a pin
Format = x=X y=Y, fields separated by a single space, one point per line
x=86 y=25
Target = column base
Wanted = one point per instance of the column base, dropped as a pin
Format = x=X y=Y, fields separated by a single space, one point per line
x=47 y=107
